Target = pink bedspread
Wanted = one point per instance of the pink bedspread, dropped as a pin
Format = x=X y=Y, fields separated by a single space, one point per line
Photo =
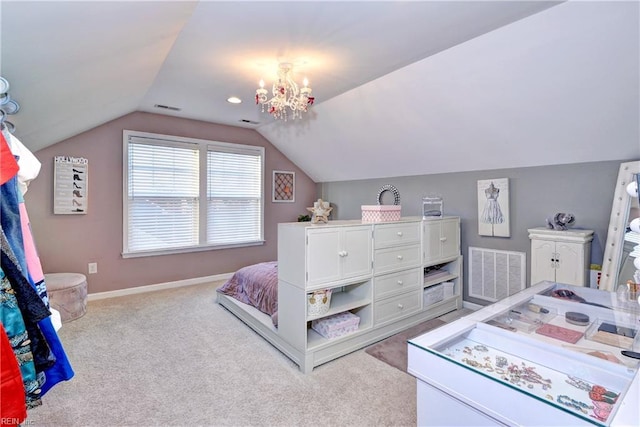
x=256 y=285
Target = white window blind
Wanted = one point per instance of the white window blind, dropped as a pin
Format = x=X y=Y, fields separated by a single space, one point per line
x=234 y=197
x=166 y=178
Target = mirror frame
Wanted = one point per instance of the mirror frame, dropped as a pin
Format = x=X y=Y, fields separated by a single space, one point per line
x=617 y=226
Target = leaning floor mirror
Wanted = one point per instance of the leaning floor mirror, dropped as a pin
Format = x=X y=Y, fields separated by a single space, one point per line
x=623 y=244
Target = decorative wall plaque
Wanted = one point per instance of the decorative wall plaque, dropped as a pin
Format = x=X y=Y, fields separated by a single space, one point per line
x=70 y=183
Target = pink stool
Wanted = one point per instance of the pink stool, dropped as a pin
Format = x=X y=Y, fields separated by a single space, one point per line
x=67 y=294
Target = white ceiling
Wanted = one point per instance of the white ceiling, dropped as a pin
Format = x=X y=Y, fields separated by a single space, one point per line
x=402 y=88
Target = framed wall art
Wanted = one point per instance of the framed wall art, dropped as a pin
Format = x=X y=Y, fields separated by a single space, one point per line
x=70 y=181
x=493 y=207
x=284 y=186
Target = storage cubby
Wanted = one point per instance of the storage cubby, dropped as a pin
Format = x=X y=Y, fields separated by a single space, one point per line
x=443 y=273
x=316 y=341
x=347 y=297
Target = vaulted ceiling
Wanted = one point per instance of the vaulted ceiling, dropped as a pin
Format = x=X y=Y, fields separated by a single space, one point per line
x=402 y=88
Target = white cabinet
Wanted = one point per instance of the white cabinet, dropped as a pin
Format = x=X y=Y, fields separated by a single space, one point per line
x=338 y=253
x=311 y=255
x=442 y=261
x=441 y=239
x=375 y=271
x=560 y=256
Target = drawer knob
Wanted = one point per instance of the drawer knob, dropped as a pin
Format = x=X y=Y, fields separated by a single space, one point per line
x=400 y=257
x=399 y=233
x=343 y=253
x=400 y=306
x=400 y=282
x=443 y=239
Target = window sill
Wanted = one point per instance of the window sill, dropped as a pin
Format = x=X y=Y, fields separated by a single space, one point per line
x=174 y=251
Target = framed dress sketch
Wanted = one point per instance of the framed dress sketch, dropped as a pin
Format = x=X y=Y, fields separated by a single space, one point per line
x=493 y=207
x=284 y=186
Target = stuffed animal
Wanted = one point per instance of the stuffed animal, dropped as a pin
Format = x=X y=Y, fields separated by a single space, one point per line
x=561 y=221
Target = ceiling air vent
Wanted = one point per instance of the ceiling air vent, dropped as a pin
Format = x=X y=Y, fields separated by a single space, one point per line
x=167 y=107
x=251 y=122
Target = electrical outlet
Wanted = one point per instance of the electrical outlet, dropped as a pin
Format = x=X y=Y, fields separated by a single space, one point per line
x=93 y=267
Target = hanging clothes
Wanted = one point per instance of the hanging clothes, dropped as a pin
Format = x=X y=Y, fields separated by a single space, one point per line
x=13 y=409
x=8 y=164
x=13 y=224
x=11 y=311
x=32 y=308
x=28 y=165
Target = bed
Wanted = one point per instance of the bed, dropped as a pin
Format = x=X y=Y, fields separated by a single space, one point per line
x=257 y=286
x=251 y=294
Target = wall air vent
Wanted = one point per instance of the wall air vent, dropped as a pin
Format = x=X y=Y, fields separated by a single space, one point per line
x=494 y=274
x=249 y=122
x=167 y=107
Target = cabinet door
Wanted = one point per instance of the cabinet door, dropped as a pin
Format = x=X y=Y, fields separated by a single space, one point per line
x=324 y=249
x=542 y=264
x=570 y=266
x=431 y=241
x=450 y=238
x=356 y=252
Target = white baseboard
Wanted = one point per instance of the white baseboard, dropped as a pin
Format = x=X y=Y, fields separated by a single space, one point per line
x=158 y=287
x=472 y=306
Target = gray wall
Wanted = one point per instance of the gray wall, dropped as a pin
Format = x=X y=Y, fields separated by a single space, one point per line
x=584 y=189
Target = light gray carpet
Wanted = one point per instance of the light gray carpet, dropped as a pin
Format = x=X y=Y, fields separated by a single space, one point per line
x=393 y=350
x=176 y=358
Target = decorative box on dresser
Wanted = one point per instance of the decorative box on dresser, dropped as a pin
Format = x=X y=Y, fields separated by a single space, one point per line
x=562 y=256
x=375 y=271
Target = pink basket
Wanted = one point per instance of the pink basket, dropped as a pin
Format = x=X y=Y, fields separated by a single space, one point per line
x=380 y=213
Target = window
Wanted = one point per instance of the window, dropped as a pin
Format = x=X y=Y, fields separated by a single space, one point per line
x=186 y=194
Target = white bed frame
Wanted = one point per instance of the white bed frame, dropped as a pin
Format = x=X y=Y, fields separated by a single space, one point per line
x=262 y=324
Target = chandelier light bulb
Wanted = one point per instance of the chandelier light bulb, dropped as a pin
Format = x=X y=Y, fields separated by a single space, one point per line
x=287 y=100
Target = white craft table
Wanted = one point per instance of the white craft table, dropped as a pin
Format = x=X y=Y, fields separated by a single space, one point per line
x=460 y=383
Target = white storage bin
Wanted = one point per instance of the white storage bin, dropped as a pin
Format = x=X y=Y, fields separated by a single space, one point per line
x=433 y=294
x=336 y=325
x=448 y=289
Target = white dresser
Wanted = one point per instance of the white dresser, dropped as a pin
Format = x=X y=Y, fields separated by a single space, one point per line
x=560 y=256
x=375 y=271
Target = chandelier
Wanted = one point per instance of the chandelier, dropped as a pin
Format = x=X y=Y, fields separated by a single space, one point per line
x=288 y=100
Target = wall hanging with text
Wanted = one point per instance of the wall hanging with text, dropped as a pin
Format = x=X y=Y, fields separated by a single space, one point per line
x=70 y=183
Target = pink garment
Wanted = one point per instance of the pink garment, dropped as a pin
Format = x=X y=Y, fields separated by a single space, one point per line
x=33 y=260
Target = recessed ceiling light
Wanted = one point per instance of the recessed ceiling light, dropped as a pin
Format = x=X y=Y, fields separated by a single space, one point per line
x=234 y=100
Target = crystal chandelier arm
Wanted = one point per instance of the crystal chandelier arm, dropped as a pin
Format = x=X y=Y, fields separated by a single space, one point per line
x=286 y=94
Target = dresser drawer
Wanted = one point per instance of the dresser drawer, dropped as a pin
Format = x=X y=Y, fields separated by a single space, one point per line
x=395 y=259
x=395 y=283
x=397 y=307
x=386 y=235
